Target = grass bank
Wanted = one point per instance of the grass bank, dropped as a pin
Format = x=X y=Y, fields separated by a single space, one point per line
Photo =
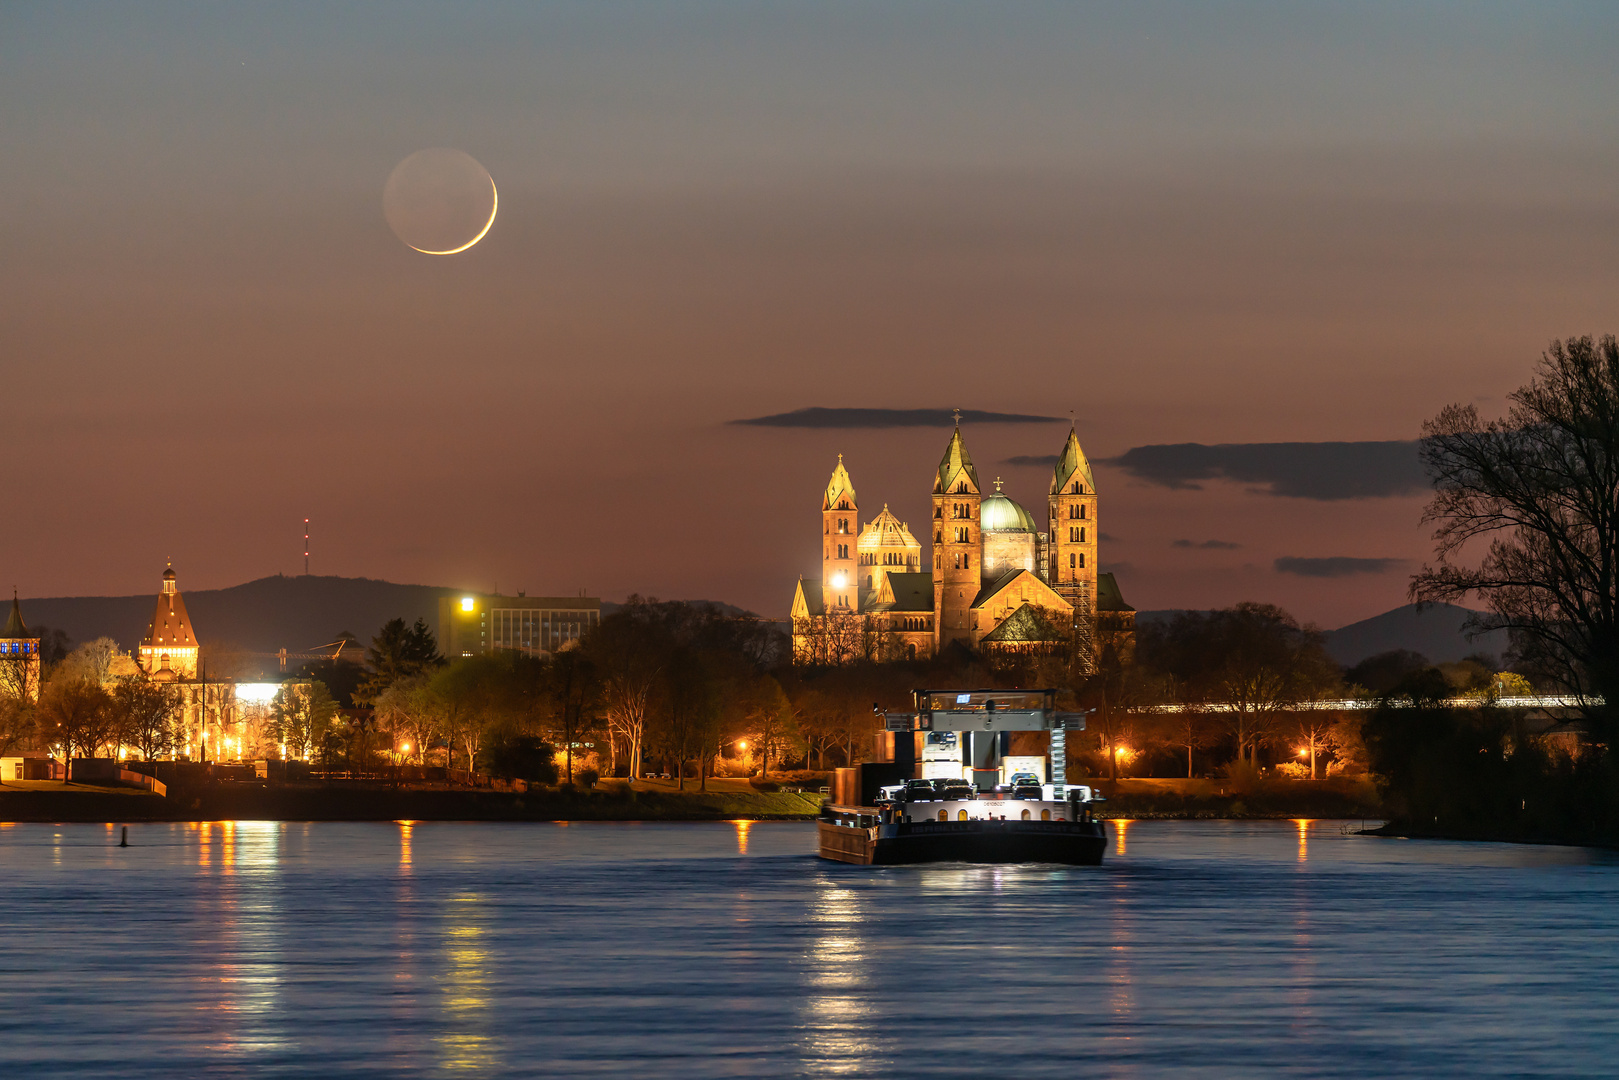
x=1335 y=798
x=242 y=802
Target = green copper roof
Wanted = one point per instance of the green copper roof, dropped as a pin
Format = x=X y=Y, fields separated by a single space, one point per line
x=998 y=513
x=840 y=486
x=955 y=463
x=1108 y=596
x=15 y=627
x=1072 y=465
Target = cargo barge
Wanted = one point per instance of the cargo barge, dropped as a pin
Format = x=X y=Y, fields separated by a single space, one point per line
x=957 y=799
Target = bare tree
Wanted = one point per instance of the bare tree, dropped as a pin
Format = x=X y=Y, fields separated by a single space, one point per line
x=1542 y=486
x=302 y=717
x=145 y=715
x=1254 y=658
x=75 y=714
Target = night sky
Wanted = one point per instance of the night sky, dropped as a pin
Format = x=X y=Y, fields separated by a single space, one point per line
x=1213 y=224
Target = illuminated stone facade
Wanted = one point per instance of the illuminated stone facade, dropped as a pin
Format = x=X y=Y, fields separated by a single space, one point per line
x=994 y=580
x=211 y=727
x=169 y=650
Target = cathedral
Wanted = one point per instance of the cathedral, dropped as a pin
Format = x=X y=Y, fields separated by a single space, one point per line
x=996 y=580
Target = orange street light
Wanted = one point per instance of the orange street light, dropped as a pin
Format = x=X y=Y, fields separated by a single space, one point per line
x=742 y=744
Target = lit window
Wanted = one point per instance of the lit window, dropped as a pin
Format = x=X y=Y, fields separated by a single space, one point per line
x=466 y=603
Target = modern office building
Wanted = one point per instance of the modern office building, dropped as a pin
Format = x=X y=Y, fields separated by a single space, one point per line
x=470 y=624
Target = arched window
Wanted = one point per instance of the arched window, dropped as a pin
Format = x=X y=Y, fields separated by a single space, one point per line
x=1081 y=536
x=1082 y=511
x=1082 y=559
x=944 y=815
x=1025 y=813
x=1071 y=563
x=961 y=815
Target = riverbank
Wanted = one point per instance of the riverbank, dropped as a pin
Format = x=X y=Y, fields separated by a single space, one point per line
x=1178 y=799
x=1405 y=830
x=1144 y=799
x=224 y=802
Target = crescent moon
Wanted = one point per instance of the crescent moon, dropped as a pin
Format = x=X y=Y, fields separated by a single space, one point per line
x=493 y=210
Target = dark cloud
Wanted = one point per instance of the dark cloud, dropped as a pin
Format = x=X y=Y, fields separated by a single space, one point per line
x=1206 y=545
x=1107 y=538
x=1320 y=470
x=891 y=418
x=1045 y=461
x=1334 y=567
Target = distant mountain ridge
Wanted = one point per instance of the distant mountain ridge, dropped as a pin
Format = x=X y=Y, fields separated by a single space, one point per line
x=262 y=616
x=302 y=612
x=1434 y=631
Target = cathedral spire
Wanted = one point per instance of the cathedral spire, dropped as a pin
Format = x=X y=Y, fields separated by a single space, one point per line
x=956 y=465
x=15 y=627
x=839 y=489
x=1072 y=467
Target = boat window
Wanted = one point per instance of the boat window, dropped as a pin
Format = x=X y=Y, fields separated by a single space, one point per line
x=944 y=815
x=1045 y=815
x=961 y=815
x=1026 y=813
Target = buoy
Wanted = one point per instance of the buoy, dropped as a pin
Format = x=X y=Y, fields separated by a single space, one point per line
x=125 y=841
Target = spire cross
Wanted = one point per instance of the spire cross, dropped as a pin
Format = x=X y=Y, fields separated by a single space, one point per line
x=997 y=485
x=957 y=414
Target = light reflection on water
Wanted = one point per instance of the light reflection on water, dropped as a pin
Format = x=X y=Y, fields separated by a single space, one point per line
x=402 y=949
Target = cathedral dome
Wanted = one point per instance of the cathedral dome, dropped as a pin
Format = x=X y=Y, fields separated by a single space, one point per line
x=1000 y=514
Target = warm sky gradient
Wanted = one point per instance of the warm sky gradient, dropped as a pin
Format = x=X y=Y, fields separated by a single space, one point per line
x=1189 y=223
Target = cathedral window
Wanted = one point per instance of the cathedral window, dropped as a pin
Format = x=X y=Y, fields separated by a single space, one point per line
x=1082 y=559
x=1082 y=511
x=1081 y=536
x=1071 y=563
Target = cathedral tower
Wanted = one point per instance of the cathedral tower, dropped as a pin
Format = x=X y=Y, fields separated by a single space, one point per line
x=19 y=657
x=840 y=527
x=169 y=650
x=958 y=552
x=1072 y=569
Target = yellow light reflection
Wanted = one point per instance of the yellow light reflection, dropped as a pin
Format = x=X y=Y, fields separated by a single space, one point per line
x=465 y=1042
x=838 y=1035
x=404 y=844
x=1121 y=826
x=742 y=827
x=1304 y=833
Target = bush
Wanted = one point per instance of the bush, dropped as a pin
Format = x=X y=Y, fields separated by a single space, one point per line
x=523 y=757
x=769 y=786
x=1243 y=777
x=587 y=777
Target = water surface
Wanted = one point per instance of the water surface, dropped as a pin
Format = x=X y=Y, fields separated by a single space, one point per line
x=704 y=950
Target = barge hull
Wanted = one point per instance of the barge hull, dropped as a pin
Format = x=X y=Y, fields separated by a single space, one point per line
x=1070 y=843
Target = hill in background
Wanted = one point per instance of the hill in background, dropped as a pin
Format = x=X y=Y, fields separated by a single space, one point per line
x=1434 y=631
x=295 y=613
x=262 y=616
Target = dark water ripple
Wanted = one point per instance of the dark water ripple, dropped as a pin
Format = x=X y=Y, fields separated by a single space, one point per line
x=1202 y=949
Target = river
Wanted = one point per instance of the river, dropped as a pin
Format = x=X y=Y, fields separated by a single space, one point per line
x=711 y=950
